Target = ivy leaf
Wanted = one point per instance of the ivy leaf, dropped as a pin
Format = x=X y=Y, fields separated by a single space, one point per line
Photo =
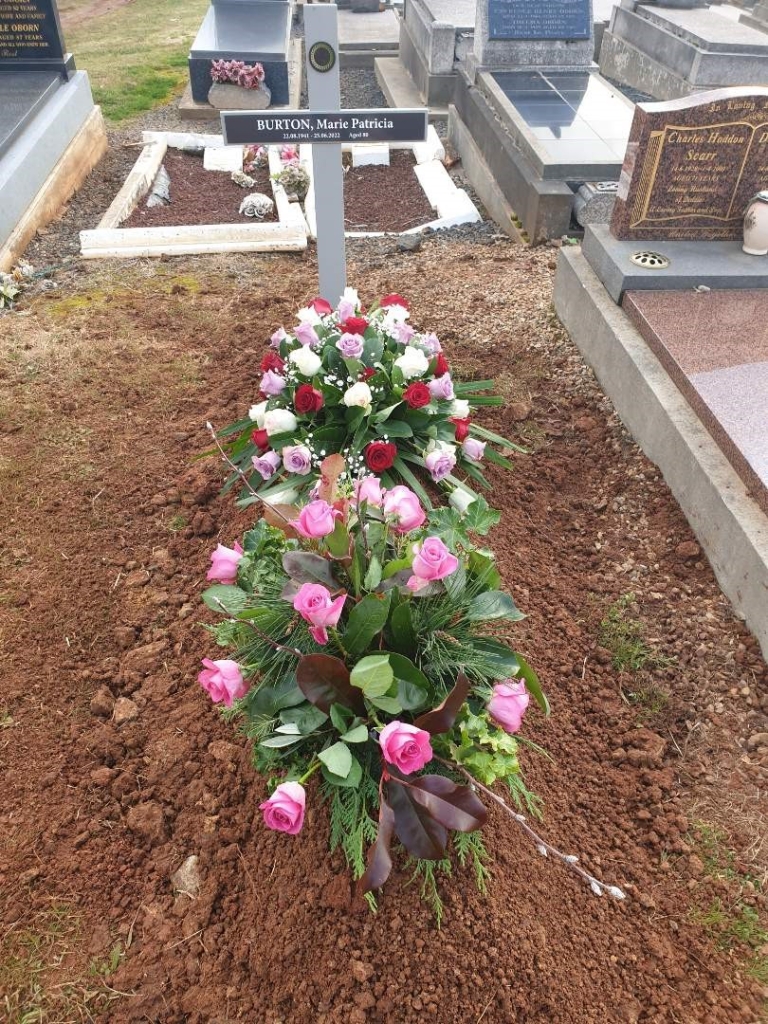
x=493 y=604
x=441 y=718
x=456 y=807
x=225 y=599
x=379 y=857
x=373 y=675
x=366 y=619
x=417 y=830
x=337 y=759
x=480 y=517
x=325 y=681
x=306 y=567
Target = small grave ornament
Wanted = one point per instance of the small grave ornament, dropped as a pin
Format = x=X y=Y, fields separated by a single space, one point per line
x=242 y=179
x=256 y=205
x=756 y=225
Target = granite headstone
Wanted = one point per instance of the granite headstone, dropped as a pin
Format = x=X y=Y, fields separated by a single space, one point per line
x=31 y=38
x=692 y=166
x=539 y=19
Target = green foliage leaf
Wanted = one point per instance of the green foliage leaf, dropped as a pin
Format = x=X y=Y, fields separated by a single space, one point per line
x=373 y=675
x=413 y=687
x=341 y=717
x=351 y=780
x=391 y=705
x=269 y=699
x=482 y=568
x=403 y=635
x=338 y=541
x=395 y=428
x=532 y=684
x=306 y=567
x=499 y=661
x=493 y=604
x=337 y=759
x=366 y=619
x=396 y=566
x=357 y=735
x=306 y=717
x=373 y=576
x=276 y=742
x=441 y=718
x=225 y=599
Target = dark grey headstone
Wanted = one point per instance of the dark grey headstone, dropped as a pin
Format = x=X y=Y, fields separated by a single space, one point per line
x=539 y=19
x=31 y=37
x=21 y=96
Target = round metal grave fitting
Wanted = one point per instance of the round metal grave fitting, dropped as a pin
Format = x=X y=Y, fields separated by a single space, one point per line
x=322 y=57
x=649 y=260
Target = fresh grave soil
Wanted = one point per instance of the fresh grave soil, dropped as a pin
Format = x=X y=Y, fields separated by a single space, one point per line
x=115 y=767
x=381 y=198
x=199 y=196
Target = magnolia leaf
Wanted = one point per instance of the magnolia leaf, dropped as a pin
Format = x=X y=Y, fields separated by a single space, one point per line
x=454 y=806
x=373 y=675
x=357 y=735
x=331 y=469
x=441 y=718
x=417 y=830
x=306 y=567
x=366 y=619
x=493 y=604
x=337 y=759
x=225 y=599
x=324 y=681
x=379 y=857
x=352 y=780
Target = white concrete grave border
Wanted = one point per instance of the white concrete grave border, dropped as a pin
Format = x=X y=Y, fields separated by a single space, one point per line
x=108 y=239
x=452 y=204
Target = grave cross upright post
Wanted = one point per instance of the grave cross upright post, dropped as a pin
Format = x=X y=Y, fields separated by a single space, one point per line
x=326 y=127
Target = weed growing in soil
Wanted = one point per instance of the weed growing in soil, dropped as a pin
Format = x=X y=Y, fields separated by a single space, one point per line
x=622 y=635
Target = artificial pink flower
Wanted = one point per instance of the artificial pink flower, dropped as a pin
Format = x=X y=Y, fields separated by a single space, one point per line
x=508 y=703
x=405 y=746
x=368 y=488
x=222 y=680
x=284 y=811
x=433 y=561
x=224 y=562
x=401 y=502
x=317 y=519
x=266 y=464
x=315 y=605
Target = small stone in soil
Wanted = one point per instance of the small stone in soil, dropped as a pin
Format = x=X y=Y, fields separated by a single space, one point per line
x=186 y=879
x=125 y=711
x=102 y=702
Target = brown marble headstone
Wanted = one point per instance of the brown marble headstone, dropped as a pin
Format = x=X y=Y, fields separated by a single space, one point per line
x=692 y=165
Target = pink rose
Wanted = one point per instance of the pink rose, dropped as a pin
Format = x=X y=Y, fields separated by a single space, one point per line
x=284 y=811
x=431 y=343
x=433 y=561
x=272 y=383
x=350 y=345
x=297 y=459
x=442 y=387
x=314 y=604
x=403 y=333
x=473 y=449
x=317 y=519
x=224 y=562
x=369 y=489
x=277 y=338
x=345 y=309
x=441 y=461
x=266 y=464
x=401 y=502
x=405 y=746
x=222 y=681
x=508 y=703
x=306 y=334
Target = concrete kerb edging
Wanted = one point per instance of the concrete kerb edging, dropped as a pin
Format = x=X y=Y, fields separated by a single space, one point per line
x=729 y=525
x=452 y=204
x=289 y=234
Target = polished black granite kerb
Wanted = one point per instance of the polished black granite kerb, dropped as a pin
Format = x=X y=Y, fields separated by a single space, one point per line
x=22 y=95
x=576 y=117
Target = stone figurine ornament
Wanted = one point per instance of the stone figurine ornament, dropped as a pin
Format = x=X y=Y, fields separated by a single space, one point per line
x=256 y=205
x=756 y=225
x=238 y=86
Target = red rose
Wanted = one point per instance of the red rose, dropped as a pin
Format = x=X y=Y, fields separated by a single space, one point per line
x=261 y=439
x=308 y=399
x=380 y=455
x=441 y=366
x=394 y=300
x=321 y=306
x=355 y=325
x=272 y=361
x=368 y=372
x=417 y=395
x=462 y=428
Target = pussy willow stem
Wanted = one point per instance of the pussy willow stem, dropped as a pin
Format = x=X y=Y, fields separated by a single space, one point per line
x=542 y=845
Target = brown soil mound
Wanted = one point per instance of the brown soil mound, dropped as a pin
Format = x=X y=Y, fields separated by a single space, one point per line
x=108 y=524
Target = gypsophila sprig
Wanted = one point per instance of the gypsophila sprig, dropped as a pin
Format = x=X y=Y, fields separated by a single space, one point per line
x=367 y=385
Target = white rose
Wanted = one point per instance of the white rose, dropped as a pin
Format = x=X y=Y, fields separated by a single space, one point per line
x=358 y=395
x=307 y=315
x=279 y=421
x=412 y=363
x=306 y=361
x=256 y=413
x=350 y=295
x=459 y=409
x=460 y=500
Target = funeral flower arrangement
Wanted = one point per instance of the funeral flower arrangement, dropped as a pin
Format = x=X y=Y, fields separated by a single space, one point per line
x=237 y=72
x=367 y=641
x=367 y=385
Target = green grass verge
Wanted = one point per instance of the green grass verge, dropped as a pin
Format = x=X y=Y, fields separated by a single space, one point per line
x=136 y=56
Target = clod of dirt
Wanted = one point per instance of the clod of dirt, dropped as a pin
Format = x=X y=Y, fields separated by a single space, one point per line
x=688 y=550
x=143 y=659
x=124 y=636
x=224 y=751
x=102 y=702
x=519 y=411
x=186 y=879
x=147 y=820
x=757 y=740
x=125 y=711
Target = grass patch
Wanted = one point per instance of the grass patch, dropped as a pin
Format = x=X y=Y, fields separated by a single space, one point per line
x=136 y=56
x=623 y=635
